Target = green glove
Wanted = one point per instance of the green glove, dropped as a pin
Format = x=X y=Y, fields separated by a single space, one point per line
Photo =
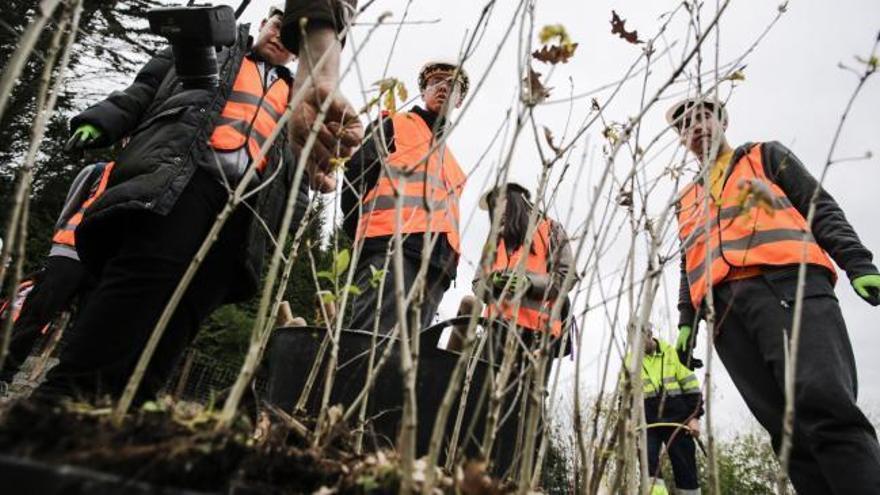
x=83 y=137
x=868 y=288
x=509 y=280
x=684 y=347
x=684 y=336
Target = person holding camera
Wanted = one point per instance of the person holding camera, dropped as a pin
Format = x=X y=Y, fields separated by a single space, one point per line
x=191 y=137
x=743 y=232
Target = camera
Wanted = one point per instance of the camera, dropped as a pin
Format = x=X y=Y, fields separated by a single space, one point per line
x=194 y=32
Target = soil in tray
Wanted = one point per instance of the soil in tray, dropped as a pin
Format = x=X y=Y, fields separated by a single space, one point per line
x=165 y=447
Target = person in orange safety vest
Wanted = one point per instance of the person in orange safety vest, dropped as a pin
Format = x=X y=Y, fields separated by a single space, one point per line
x=406 y=179
x=63 y=281
x=525 y=276
x=188 y=145
x=743 y=235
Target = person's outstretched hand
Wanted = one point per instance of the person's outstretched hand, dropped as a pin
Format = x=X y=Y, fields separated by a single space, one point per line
x=337 y=137
x=868 y=288
x=341 y=131
x=83 y=137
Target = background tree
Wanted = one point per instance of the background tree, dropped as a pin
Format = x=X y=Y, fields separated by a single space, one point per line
x=113 y=43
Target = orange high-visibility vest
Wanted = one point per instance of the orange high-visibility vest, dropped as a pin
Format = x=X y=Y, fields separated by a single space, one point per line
x=428 y=181
x=65 y=235
x=533 y=314
x=251 y=112
x=753 y=224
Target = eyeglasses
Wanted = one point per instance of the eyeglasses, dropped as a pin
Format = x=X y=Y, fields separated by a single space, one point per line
x=691 y=117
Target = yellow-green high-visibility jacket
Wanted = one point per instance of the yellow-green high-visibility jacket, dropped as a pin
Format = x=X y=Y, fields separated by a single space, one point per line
x=672 y=391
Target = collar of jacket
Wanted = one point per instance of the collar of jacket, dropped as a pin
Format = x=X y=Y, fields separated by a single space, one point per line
x=738 y=153
x=430 y=119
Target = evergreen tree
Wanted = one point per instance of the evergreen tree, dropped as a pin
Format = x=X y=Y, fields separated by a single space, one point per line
x=112 y=44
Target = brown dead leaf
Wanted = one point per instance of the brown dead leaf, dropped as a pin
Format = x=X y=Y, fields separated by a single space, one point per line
x=548 y=136
x=625 y=198
x=618 y=27
x=555 y=54
x=756 y=193
x=534 y=92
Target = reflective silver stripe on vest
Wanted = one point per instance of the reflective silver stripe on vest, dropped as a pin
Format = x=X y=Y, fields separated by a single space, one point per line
x=779 y=203
x=750 y=241
x=242 y=128
x=390 y=202
x=690 y=383
x=395 y=173
x=249 y=99
x=381 y=203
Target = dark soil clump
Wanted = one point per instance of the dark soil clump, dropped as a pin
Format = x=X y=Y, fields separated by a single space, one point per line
x=166 y=447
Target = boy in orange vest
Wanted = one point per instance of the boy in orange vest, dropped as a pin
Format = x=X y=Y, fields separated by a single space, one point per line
x=188 y=145
x=741 y=227
x=406 y=166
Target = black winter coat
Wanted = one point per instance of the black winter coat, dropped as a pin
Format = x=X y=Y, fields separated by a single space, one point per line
x=169 y=129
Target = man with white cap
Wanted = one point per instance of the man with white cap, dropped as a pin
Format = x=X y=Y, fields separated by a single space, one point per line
x=405 y=179
x=743 y=234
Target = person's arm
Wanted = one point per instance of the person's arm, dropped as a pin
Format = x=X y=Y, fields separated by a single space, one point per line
x=362 y=173
x=77 y=194
x=687 y=314
x=310 y=29
x=122 y=111
x=830 y=228
x=691 y=394
x=559 y=263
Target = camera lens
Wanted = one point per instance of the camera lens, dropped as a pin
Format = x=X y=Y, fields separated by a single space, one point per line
x=196 y=66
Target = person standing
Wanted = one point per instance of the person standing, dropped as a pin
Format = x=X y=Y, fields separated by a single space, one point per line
x=748 y=209
x=525 y=298
x=186 y=146
x=673 y=406
x=408 y=158
x=63 y=278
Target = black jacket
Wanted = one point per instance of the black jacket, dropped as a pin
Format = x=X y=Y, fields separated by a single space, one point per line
x=169 y=128
x=362 y=173
x=830 y=228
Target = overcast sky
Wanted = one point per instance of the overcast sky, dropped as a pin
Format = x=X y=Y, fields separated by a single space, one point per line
x=793 y=92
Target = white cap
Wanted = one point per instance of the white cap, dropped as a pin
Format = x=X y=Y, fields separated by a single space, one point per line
x=442 y=64
x=675 y=112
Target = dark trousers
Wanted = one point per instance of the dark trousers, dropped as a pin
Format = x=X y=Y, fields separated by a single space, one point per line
x=135 y=285
x=682 y=455
x=364 y=310
x=835 y=447
x=62 y=280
